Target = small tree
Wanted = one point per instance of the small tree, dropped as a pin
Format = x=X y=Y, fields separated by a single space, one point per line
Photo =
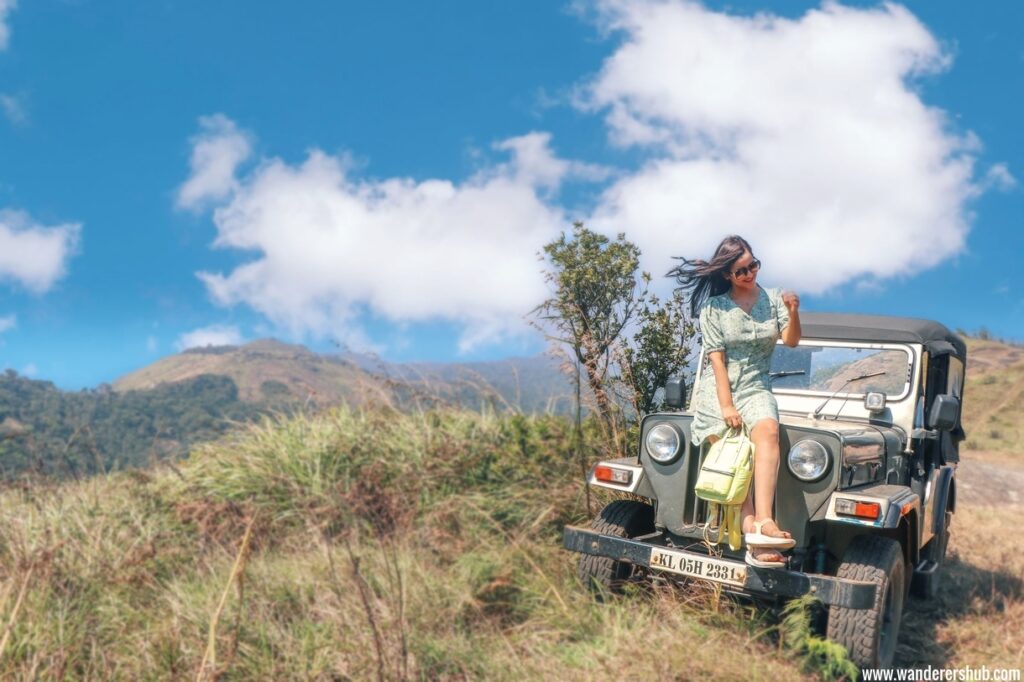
x=621 y=338
x=595 y=293
x=659 y=350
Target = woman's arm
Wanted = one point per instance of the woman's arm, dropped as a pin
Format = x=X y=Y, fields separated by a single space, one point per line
x=792 y=333
x=729 y=412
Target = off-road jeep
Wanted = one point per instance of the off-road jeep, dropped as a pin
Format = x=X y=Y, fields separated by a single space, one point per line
x=869 y=432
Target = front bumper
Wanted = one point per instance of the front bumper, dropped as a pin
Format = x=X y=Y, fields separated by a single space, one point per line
x=851 y=594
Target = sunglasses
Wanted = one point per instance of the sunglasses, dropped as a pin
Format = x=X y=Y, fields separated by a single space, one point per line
x=754 y=266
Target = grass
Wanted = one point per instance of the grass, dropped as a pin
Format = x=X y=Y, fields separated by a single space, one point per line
x=377 y=546
x=978 y=618
x=368 y=544
x=994 y=400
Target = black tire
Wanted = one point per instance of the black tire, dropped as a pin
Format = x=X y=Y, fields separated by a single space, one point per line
x=927 y=587
x=624 y=519
x=870 y=635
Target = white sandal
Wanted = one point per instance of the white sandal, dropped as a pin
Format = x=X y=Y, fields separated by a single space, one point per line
x=758 y=563
x=759 y=539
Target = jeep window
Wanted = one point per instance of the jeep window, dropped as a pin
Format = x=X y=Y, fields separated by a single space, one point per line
x=825 y=368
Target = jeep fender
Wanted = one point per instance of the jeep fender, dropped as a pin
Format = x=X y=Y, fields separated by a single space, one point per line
x=898 y=518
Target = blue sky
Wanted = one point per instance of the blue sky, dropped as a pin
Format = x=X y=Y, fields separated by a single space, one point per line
x=382 y=175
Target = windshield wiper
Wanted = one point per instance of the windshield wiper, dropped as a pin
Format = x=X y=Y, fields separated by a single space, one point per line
x=817 y=411
x=789 y=373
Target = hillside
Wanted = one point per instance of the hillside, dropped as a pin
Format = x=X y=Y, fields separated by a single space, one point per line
x=263 y=370
x=993 y=411
x=47 y=431
x=271 y=371
x=159 y=412
x=534 y=385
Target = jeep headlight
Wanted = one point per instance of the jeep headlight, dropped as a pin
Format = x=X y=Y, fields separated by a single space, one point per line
x=808 y=460
x=663 y=443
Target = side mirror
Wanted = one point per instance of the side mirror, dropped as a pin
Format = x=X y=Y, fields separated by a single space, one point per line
x=944 y=413
x=675 y=393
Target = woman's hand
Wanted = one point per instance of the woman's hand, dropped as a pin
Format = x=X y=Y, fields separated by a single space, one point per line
x=732 y=417
x=791 y=301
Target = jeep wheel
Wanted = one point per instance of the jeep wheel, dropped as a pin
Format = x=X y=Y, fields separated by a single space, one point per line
x=870 y=634
x=925 y=583
x=624 y=519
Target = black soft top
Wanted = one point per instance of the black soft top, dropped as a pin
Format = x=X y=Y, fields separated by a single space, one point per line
x=849 y=327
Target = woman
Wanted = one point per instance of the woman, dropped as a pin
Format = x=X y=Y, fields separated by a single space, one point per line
x=740 y=323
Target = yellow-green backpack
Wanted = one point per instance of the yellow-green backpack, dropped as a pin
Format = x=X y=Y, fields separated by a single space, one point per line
x=724 y=480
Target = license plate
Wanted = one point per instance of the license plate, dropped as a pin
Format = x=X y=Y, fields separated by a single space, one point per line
x=717 y=570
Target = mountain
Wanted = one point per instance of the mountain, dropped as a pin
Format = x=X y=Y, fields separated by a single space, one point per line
x=265 y=371
x=532 y=385
x=268 y=371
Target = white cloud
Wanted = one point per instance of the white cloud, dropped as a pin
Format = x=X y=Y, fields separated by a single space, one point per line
x=32 y=254
x=217 y=151
x=14 y=108
x=8 y=322
x=802 y=135
x=805 y=135
x=535 y=165
x=332 y=246
x=214 y=335
x=152 y=344
x=5 y=32
x=30 y=370
x=1000 y=177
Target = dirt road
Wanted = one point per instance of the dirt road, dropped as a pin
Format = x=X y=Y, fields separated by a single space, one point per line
x=989 y=483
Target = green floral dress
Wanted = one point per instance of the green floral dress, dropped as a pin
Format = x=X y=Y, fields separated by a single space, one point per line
x=748 y=341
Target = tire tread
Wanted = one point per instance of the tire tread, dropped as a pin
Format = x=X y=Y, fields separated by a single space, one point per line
x=870 y=559
x=621 y=518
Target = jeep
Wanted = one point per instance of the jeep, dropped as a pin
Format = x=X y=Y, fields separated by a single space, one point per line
x=869 y=421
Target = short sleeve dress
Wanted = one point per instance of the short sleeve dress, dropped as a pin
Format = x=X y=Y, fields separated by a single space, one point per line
x=748 y=340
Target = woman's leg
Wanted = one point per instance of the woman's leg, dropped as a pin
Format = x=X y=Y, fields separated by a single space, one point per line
x=759 y=504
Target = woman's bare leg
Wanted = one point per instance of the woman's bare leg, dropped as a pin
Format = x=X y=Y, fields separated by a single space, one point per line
x=759 y=505
x=747 y=511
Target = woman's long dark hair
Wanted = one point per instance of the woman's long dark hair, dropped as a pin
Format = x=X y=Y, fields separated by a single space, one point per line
x=701 y=279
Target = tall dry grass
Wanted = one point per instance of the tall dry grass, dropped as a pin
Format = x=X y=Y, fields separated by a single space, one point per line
x=373 y=544
x=358 y=544
x=978 y=617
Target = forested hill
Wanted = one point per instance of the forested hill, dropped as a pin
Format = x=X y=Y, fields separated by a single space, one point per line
x=72 y=434
x=161 y=410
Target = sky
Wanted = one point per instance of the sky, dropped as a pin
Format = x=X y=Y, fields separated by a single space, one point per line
x=382 y=176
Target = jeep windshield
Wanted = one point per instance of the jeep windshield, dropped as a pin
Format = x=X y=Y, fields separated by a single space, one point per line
x=820 y=367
